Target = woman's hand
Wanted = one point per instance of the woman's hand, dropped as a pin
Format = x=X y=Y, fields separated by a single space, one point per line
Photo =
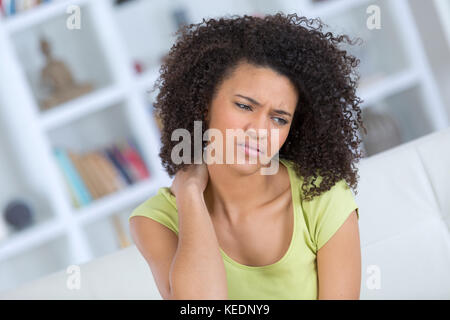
x=193 y=174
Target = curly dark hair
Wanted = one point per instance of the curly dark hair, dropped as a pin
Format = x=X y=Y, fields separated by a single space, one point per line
x=322 y=140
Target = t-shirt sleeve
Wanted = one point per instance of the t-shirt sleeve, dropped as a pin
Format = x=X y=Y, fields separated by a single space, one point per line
x=161 y=208
x=328 y=212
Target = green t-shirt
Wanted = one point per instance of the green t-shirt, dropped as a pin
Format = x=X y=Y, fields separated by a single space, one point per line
x=294 y=276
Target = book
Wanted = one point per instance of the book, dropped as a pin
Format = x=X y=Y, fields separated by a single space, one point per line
x=6 y=7
x=12 y=7
x=110 y=171
x=131 y=173
x=72 y=195
x=120 y=180
x=123 y=172
x=91 y=171
x=134 y=160
x=79 y=189
x=82 y=165
x=106 y=174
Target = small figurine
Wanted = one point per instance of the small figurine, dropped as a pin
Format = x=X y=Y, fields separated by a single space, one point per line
x=58 y=78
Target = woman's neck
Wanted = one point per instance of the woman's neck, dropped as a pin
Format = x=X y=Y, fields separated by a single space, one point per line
x=236 y=194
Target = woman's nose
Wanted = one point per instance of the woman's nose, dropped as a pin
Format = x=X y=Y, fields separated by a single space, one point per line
x=258 y=127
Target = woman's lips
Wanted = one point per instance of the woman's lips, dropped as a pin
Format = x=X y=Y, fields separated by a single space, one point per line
x=250 y=150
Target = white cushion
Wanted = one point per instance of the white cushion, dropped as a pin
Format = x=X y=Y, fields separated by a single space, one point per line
x=435 y=156
x=120 y=275
x=394 y=195
x=414 y=264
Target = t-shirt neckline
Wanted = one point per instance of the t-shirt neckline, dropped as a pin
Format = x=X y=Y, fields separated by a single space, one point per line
x=294 y=233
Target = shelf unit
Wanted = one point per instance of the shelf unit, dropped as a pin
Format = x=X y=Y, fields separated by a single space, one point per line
x=410 y=75
x=123 y=88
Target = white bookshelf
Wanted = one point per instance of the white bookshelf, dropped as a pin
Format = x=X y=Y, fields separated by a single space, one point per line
x=443 y=9
x=123 y=92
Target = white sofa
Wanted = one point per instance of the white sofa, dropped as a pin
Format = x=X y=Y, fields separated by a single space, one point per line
x=404 y=200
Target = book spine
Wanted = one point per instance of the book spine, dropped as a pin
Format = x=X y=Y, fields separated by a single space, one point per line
x=120 y=180
x=109 y=173
x=108 y=184
x=123 y=163
x=19 y=6
x=96 y=175
x=81 y=165
x=27 y=4
x=91 y=170
x=138 y=150
x=83 y=194
x=12 y=7
x=7 y=7
x=74 y=195
x=129 y=165
x=135 y=160
x=119 y=167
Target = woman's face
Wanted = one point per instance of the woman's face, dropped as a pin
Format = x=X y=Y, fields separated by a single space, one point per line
x=253 y=98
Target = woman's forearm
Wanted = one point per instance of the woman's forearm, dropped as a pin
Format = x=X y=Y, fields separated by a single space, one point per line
x=197 y=270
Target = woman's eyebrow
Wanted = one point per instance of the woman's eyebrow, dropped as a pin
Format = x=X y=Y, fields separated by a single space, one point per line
x=279 y=111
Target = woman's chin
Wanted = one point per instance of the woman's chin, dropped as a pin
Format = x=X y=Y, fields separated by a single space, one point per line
x=241 y=160
x=251 y=162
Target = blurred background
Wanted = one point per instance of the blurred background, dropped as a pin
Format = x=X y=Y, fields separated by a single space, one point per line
x=79 y=141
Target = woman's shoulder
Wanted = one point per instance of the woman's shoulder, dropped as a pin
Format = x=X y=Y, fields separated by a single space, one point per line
x=163 y=199
x=160 y=207
x=295 y=178
x=336 y=191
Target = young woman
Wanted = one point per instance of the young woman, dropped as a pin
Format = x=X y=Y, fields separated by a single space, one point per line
x=224 y=230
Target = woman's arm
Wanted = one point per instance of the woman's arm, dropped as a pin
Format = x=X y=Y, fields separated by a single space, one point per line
x=187 y=266
x=339 y=263
x=197 y=270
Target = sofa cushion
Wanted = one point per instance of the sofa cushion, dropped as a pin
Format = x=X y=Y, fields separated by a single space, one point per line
x=413 y=264
x=434 y=152
x=394 y=194
x=121 y=275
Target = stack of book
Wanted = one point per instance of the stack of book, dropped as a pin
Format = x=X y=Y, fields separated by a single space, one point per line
x=12 y=7
x=92 y=175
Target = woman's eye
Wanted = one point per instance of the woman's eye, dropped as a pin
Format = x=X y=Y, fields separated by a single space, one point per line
x=243 y=106
x=281 y=121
